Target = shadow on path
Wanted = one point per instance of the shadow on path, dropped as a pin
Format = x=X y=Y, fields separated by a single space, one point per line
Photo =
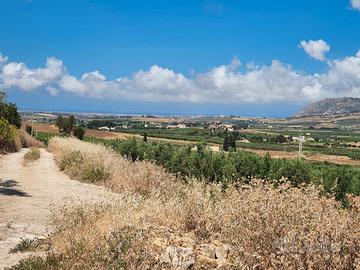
x=8 y=188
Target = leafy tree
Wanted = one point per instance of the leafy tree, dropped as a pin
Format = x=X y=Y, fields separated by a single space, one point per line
x=232 y=140
x=65 y=124
x=9 y=111
x=79 y=132
x=280 y=139
x=60 y=122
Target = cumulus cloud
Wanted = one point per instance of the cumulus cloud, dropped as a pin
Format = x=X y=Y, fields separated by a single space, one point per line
x=277 y=82
x=20 y=76
x=315 y=48
x=355 y=4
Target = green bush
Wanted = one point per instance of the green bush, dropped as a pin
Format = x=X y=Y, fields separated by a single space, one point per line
x=79 y=132
x=43 y=137
x=9 y=112
x=9 y=139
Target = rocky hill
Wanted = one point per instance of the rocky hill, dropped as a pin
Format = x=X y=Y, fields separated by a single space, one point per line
x=331 y=106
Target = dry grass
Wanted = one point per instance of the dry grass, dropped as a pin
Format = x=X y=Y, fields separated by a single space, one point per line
x=96 y=163
x=31 y=155
x=28 y=141
x=263 y=227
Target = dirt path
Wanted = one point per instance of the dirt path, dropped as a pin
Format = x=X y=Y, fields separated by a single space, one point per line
x=27 y=195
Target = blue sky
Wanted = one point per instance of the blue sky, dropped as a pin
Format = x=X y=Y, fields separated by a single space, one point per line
x=210 y=57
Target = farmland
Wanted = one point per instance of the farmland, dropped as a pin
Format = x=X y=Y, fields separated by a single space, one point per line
x=278 y=136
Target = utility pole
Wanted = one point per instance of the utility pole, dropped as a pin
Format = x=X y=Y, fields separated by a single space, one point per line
x=301 y=140
x=32 y=124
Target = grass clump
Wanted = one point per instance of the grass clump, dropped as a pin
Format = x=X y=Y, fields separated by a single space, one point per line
x=27 y=244
x=38 y=263
x=31 y=155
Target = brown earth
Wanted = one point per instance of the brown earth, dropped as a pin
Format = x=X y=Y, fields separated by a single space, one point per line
x=308 y=156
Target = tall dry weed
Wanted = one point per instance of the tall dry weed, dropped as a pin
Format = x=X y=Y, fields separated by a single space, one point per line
x=96 y=163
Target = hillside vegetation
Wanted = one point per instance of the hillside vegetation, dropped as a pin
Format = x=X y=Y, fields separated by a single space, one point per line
x=332 y=106
x=163 y=222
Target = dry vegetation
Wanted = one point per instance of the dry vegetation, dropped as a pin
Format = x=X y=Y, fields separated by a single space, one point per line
x=31 y=155
x=28 y=141
x=13 y=139
x=163 y=223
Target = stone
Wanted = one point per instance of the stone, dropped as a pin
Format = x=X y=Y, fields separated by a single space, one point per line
x=179 y=258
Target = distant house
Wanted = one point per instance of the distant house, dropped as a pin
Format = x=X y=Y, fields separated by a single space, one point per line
x=177 y=126
x=104 y=128
x=229 y=127
x=298 y=139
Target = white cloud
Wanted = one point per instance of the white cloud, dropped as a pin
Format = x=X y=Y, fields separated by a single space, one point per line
x=276 y=82
x=355 y=4
x=315 y=48
x=19 y=75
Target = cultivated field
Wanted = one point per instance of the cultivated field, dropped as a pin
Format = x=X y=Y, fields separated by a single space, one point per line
x=308 y=155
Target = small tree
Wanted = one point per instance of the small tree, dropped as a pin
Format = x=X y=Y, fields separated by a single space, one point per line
x=145 y=137
x=65 y=125
x=232 y=141
x=226 y=144
x=79 y=132
x=280 y=139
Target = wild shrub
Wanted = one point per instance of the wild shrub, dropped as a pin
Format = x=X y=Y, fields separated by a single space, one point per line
x=31 y=155
x=38 y=263
x=9 y=111
x=9 y=137
x=28 y=141
x=27 y=244
x=71 y=160
x=94 y=174
x=79 y=132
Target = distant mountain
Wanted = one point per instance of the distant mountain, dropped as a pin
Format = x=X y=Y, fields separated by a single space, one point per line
x=331 y=106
